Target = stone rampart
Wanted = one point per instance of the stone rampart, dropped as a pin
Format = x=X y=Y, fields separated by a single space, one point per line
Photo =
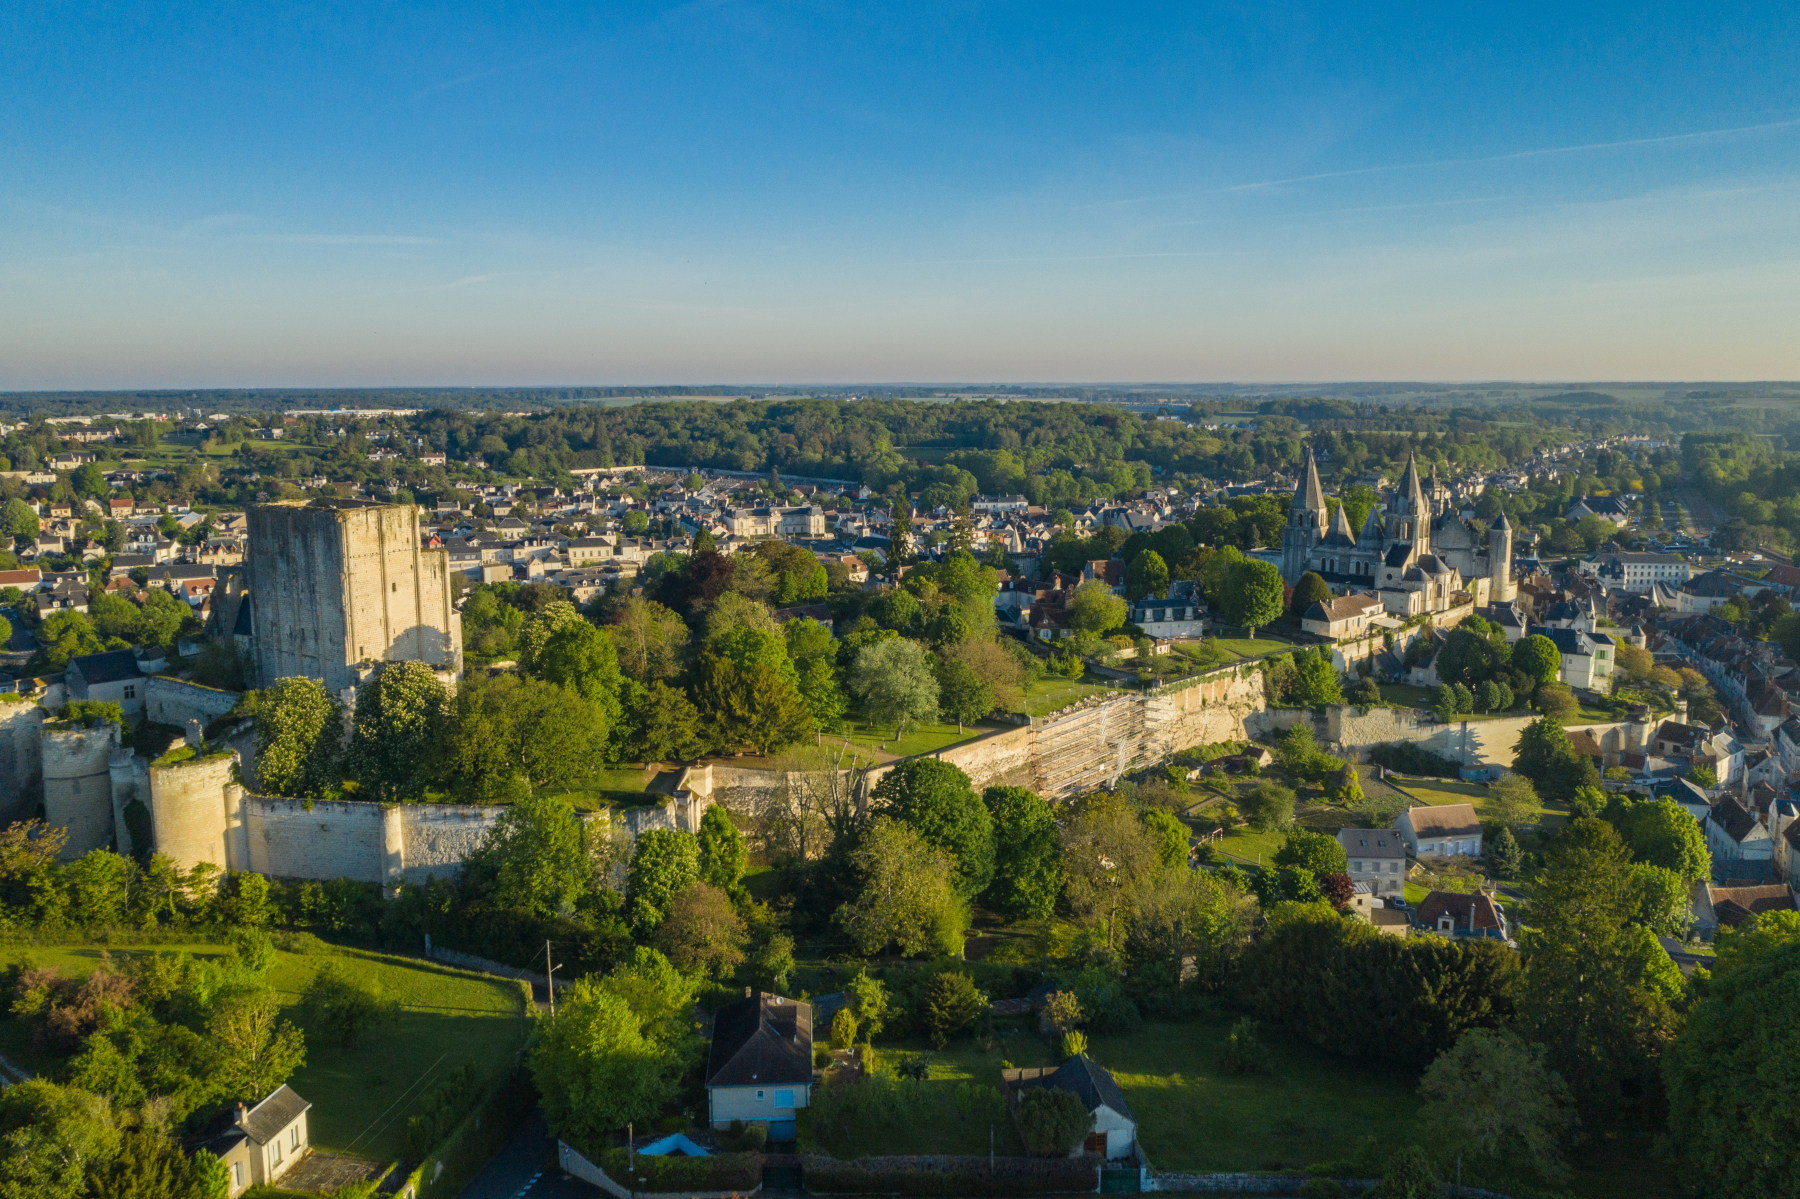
x=175 y=702
x=21 y=760
x=290 y=838
x=197 y=812
x=78 y=785
x=1350 y=731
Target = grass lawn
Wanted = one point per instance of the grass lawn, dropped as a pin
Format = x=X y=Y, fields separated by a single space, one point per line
x=1244 y=647
x=1046 y=695
x=361 y=1094
x=919 y=738
x=1443 y=791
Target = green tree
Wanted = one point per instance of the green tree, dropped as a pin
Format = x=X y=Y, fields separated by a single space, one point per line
x=753 y=702
x=1544 y=755
x=533 y=858
x=51 y=1139
x=1536 y=657
x=935 y=799
x=1267 y=807
x=540 y=626
x=1310 y=590
x=1170 y=835
x=1502 y=853
x=595 y=1068
x=1027 y=854
x=951 y=1004
x=1407 y=1175
x=962 y=696
x=663 y=861
x=721 y=849
x=1094 y=609
x=1255 y=593
x=1110 y=860
x=345 y=1004
x=702 y=933
x=906 y=898
x=843 y=1029
x=258 y=1051
x=1493 y=1098
x=507 y=730
x=1596 y=993
x=665 y=724
x=1147 y=574
x=895 y=684
x=64 y=635
x=299 y=726
x=650 y=639
x=1316 y=680
x=581 y=658
x=18 y=519
x=819 y=689
x=1663 y=834
x=1052 y=1121
x=1316 y=852
x=1662 y=900
x=1558 y=702
x=399 y=729
x=1731 y=1075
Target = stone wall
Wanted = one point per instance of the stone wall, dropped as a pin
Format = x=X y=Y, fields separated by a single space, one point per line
x=197 y=812
x=1350 y=731
x=78 y=785
x=21 y=760
x=174 y=702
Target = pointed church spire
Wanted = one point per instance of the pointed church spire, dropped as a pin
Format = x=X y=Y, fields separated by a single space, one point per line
x=1410 y=494
x=1309 y=495
x=1340 y=524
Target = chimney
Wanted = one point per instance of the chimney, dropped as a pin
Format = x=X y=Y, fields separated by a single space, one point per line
x=238 y=1119
x=746 y=992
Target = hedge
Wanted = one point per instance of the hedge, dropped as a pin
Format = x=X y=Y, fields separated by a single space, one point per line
x=948 y=1175
x=1410 y=759
x=715 y=1172
x=472 y=1143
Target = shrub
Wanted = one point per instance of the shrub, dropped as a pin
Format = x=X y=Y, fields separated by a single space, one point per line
x=1244 y=1051
x=949 y=1175
x=1052 y=1121
x=1321 y=1188
x=715 y=1172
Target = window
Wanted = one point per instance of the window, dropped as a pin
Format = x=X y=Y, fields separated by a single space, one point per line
x=237 y=1174
x=294 y=1137
x=759 y=1096
x=131 y=691
x=275 y=1156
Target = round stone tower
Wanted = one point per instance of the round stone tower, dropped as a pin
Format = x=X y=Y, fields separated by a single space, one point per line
x=196 y=809
x=78 y=791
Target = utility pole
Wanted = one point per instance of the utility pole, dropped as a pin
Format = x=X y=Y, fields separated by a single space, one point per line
x=550 y=979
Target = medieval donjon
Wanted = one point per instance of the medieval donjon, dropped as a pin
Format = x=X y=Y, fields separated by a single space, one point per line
x=1415 y=551
x=337 y=583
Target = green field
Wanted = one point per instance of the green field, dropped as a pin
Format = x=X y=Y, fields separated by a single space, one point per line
x=1046 y=695
x=362 y=1094
x=1245 y=647
x=919 y=738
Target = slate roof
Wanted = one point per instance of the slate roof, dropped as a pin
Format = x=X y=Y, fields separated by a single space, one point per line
x=1372 y=842
x=113 y=666
x=761 y=1040
x=1476 y=911
x=1732 y=905
x=1734 y=818
x=1089 y=1082
x=264 y=1122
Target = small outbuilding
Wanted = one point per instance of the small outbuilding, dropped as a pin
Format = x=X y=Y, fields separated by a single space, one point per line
x=1113 y=1133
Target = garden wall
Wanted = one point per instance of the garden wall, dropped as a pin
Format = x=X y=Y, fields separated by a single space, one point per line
x=1350 y=731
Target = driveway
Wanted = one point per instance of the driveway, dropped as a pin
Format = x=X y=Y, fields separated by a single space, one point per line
x=525 y=1168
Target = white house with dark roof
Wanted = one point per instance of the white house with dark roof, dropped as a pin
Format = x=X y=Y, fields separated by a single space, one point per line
x=262 y=1143
x=1586 y=658
x=759 y=1068
x=1344 y=616
x=1441 y=831
x=1113 y=1133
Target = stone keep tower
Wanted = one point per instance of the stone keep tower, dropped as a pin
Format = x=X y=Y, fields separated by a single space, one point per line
x=1501 y=589
x=334 y=583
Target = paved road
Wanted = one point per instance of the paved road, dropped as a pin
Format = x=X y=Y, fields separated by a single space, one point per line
x=525 y=1168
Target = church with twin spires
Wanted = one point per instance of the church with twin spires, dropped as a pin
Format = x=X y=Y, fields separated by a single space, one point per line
x=1415 y=551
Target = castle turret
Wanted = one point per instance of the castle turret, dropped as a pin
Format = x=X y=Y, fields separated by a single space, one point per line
x=78 y=789
x=1408 y=519
x=1501 y=589
x=1307 y=517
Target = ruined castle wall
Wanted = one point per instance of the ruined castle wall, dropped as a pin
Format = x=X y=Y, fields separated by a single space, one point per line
x=174 y=702
x=78 y=790
x=21 y=760
x=435 y=838
x=327 y=839
x=195 y=810
x=332 y=586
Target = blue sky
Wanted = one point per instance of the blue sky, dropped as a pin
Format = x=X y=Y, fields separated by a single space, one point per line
x=252 y=194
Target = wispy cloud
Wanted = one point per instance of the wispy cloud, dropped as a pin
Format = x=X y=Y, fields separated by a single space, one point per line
x=353 y=239
x=1516 y=155
x=1070 y=257
x=460 y=81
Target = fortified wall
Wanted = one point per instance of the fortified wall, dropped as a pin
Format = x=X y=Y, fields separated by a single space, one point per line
x=21 y=760
x=78 y=785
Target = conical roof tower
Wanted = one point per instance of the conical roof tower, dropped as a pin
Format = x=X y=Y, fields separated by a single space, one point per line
x=1309 y=494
